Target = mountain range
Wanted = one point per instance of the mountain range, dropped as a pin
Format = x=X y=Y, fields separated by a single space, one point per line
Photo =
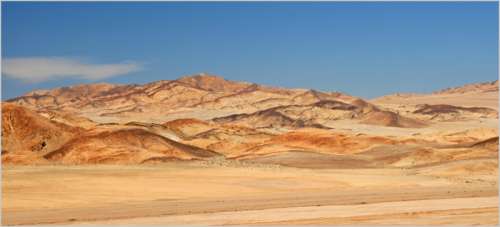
x=205 y=117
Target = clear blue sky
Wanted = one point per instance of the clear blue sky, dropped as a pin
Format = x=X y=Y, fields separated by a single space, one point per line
x=364 y=49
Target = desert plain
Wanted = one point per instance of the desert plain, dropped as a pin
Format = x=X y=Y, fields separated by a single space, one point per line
x=202 y=150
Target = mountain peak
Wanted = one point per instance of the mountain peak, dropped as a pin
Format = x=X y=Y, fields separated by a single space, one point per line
x=210 y=82
x=202 y=75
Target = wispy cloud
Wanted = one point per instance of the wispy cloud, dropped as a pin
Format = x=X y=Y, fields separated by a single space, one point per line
x=39 y=69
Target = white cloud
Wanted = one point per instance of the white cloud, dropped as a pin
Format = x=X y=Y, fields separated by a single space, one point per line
x=39 y=69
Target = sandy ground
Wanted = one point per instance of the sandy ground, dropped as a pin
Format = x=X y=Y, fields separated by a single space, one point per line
x=438 y=211
x=215 y=195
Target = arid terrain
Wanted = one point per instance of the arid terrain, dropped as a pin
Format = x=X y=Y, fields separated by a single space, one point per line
x=202 y=150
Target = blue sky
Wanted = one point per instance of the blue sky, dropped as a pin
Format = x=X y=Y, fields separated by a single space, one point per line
x=364 y=49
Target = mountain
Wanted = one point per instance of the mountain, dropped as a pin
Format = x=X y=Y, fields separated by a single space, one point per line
x=204 y=118
x=202 y=97
x=126 y=146
x=29 y=138
x=317 y=114
x=269 y=118
x=471 y=88
x=470 y=95
x=205 y=96
x=26 y=135
x=207 y=82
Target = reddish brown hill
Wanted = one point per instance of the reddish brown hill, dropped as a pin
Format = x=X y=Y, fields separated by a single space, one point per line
x=126 y=146
x=299 y=116
x=270 y=118
x=230 y=140
x=391 y=119
x=30 y=138
x=373 y=115
x=27 y=133
x=364 y=106
x=335 y=105
x=324 y=141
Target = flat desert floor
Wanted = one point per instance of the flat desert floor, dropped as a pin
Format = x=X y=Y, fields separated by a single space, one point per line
x=231 y=194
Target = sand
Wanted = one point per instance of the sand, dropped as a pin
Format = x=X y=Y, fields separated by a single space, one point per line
x=215 y=195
